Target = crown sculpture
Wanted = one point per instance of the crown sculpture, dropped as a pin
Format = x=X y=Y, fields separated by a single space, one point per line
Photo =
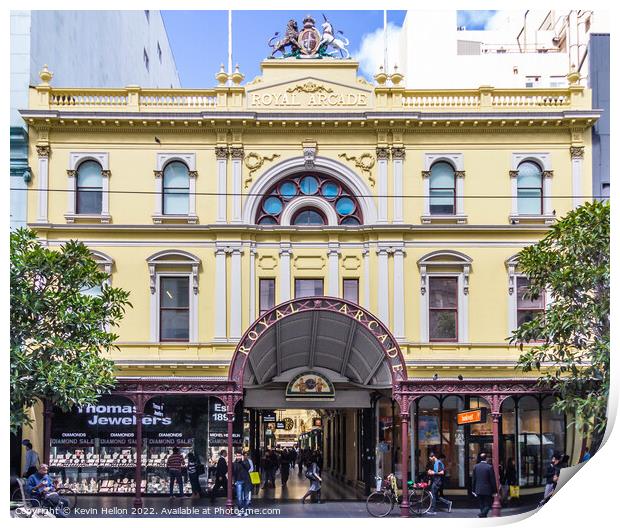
x=309 y=43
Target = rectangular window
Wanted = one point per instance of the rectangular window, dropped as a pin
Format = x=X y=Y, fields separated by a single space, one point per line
x=88 y=199
x=443 y=308
x=308 y=287
x=527 y=308
x=350 y=290
x=174 y=308
x=266 y=295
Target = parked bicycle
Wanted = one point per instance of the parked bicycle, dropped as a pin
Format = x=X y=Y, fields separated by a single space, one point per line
x=381 y=502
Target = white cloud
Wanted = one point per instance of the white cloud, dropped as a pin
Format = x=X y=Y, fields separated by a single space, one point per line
x=370 y=53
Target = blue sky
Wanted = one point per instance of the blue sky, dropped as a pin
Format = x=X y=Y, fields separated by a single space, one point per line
x=199 y=39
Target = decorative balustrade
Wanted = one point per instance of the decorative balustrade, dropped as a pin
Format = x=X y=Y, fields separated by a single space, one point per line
x=512 y=99
x=178 y=99
x=424 y=100
x=88 y=98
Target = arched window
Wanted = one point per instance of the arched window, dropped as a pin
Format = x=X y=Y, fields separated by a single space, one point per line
x=89 y=188
x=175 y=189
x=442 y=189
x=530 y=189
x=321 y=200
x=308 y=217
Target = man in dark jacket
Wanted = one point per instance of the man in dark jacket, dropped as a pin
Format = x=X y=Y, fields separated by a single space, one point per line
x=484 y=485
x=243 y=483
x=221 y=475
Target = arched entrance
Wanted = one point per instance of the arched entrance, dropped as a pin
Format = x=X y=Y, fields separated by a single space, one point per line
x=338 y=340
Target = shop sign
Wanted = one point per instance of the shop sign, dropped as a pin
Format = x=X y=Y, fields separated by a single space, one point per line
x=280 y=425
x=471 y=417
x=269 y=417
x=218 y=424
x=310 y=385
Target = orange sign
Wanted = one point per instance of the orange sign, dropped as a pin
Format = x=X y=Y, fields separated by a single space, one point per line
x=469 y=417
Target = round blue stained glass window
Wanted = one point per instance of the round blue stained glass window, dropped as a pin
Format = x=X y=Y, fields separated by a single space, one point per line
x=345 y=206
x=309 y=185
x=272 y=205
x=267 y=220
x=330 y=190
x=288 y=190
x=350 y=220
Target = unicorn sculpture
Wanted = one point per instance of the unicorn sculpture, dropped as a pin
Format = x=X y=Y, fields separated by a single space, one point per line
x=329 y=39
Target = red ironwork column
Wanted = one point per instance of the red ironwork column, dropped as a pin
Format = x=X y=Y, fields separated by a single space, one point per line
x=230 y=417
x=404 y=455
x=137 y=501
x=47 y=430
x=496 y=510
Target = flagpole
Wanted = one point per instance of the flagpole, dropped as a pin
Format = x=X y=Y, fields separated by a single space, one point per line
x=385 y=42
x=229 y=44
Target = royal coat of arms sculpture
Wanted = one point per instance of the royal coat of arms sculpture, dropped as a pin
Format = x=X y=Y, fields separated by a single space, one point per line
x=309 y=43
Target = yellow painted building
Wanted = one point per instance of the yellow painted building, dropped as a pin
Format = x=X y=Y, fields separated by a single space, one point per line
x=212 y=206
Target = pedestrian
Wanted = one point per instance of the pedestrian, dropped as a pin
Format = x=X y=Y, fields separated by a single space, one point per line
x=221 y=475
x=437 y=474
x=32 y=459
x=552 y=474
x=484 y=485
x=193 y=474
x=510 y=489
x=241 y=478
x=300 y=460
x=586 y=455
x=285 y=467
x=39 y=486
x=175 y=465
x=248 y=459
x=312 y=473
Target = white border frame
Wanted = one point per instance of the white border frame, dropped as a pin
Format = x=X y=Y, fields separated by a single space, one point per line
x=189 y=160
x=456 y=159
x=543 y=159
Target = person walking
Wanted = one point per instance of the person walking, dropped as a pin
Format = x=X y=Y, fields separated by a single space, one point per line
x=248 y=459
x=437 y=474
x=32 y=459
x=285 y=467
x=551 y=477
x=509 y=480
x=176 y=465
x=221 y=475
x=312 y=473
x=484 y=485
x=241 y=478
x=193 y=475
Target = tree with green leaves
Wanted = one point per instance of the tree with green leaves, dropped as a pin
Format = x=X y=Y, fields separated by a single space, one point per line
x=571 y=338
x=59 y=326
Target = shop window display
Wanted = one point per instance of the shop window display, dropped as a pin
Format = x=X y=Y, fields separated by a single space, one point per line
x=93 y=449
x=453 y=442
x=529 y=441
x=553 y=431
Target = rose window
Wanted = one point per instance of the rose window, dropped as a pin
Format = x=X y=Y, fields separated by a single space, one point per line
x=334 y=194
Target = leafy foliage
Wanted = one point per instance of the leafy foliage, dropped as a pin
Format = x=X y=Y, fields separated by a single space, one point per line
x=572 y=337
x=58 y=329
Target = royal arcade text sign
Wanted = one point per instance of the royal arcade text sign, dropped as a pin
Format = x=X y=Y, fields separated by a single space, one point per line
x=382 y=335
x=308 y=94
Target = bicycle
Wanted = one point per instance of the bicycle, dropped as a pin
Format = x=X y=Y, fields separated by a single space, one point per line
x=381 y=502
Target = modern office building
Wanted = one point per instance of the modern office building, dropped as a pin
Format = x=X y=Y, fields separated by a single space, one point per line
x=310 y=240
x=92 y=49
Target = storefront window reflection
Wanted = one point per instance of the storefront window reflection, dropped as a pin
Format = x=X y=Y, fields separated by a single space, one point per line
x=529 y=441
x=385 y=437
x=453 y=443
x=553 y=431
x=429 y=439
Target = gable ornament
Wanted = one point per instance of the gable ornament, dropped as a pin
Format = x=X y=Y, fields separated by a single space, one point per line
x=254 y=161
x=365 y=162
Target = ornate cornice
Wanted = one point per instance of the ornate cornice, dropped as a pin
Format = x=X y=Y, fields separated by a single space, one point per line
x=383 y=153
x=398 y=153
x=577 y=152
x=221 y=152
x=43 y=151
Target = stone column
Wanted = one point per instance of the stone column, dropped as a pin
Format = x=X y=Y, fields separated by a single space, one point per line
x=252 y=296
x=230 y=417
x=398 y=157
x=426 y=187
x=366 y=256
x=404 y=441
x=236 y=155
x=333 y=272
x=383 y=154
x=221 y=154
x=383 y=309
x=285 y=272
x=235 y=293
x=576 y=155
x=220 y=294
x=43 y=151
x=460 y=192
x=399 y=293
x=547 y=208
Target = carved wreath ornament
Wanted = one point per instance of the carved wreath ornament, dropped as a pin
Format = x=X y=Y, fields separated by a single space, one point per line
x=254 y=161
x=365 y=162
x=310 y=87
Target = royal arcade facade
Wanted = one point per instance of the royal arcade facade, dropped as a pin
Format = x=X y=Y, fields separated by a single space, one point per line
x=310 y=224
